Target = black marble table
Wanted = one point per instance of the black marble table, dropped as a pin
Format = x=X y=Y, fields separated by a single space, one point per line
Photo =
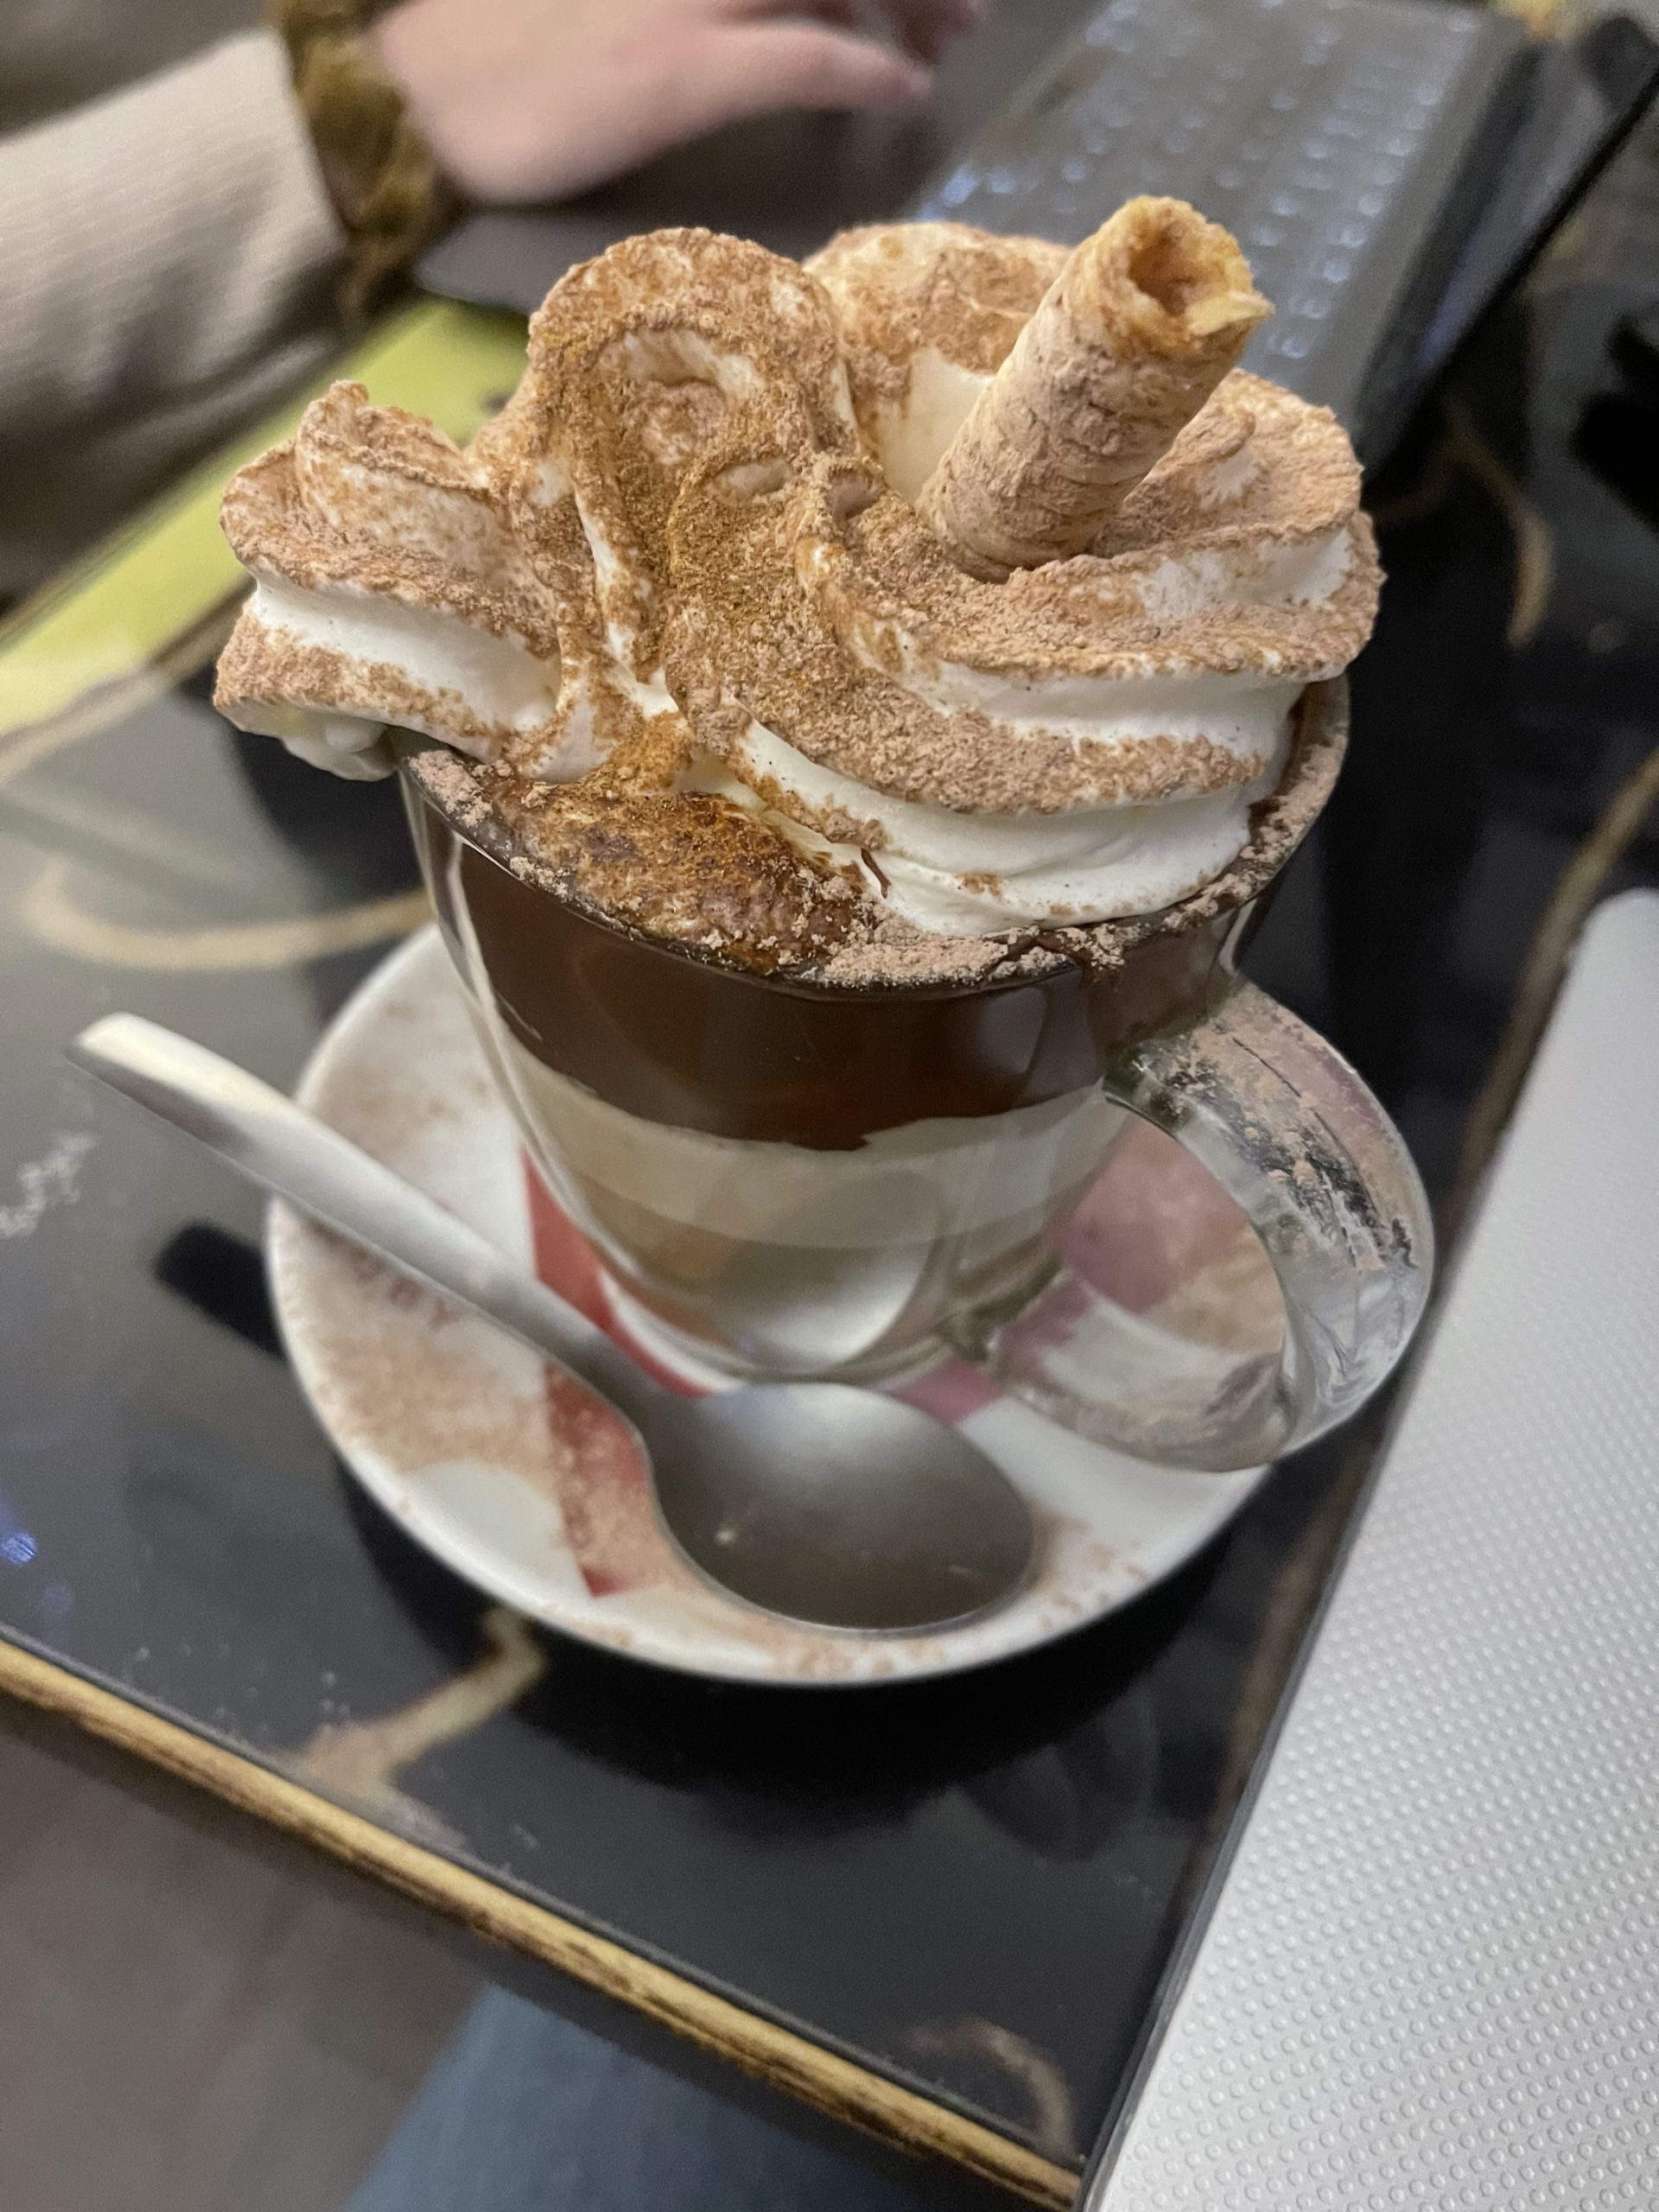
x=939 y=1912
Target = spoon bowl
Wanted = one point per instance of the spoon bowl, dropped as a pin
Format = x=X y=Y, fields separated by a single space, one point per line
x=829 y=1504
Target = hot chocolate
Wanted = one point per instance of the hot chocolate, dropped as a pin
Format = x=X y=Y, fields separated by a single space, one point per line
x=795 y=1171
x=862 y=698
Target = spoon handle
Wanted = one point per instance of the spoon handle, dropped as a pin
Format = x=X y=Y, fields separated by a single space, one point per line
x=271 y=1142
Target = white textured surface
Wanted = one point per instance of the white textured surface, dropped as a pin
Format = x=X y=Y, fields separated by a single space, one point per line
x=1432 y=1978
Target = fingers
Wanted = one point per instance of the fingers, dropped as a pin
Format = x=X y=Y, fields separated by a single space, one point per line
x=762 y=64
x=929 y=28
x=926 y=29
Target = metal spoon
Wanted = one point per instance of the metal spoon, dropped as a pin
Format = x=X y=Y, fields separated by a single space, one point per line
x=815 y=1501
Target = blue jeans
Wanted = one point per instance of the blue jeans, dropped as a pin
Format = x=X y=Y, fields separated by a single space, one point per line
x=524 y=2113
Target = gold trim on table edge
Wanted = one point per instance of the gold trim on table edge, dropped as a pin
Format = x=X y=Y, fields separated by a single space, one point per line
x=778 y=2055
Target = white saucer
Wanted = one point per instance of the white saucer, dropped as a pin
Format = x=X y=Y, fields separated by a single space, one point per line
x=504 y=1471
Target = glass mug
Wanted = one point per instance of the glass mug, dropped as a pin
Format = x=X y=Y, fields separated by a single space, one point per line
x=782 y=1179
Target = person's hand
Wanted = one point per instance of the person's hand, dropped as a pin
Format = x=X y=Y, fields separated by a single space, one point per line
x=532 y=99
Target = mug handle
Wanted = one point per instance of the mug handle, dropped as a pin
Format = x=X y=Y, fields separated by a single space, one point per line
x=1296 y=1140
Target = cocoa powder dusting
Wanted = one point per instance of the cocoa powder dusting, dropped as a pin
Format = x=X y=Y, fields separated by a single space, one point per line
x=677 y=519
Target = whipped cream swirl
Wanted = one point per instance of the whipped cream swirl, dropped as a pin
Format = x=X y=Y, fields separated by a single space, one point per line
x=690 y=542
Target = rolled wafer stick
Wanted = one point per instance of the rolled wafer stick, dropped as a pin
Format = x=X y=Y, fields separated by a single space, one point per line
x=1129 y=342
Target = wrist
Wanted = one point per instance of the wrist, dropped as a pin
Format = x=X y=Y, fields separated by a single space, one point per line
x=379 y=170
x=403 y=44
x=416 y=46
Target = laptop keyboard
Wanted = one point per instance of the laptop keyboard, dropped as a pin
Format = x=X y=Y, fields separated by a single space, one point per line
x=1325 y=134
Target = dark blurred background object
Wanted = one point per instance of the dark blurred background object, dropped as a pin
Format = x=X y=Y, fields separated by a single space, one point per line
x=1618 y=435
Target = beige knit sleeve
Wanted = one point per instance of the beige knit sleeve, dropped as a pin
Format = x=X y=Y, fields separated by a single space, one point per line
x=158 y=243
